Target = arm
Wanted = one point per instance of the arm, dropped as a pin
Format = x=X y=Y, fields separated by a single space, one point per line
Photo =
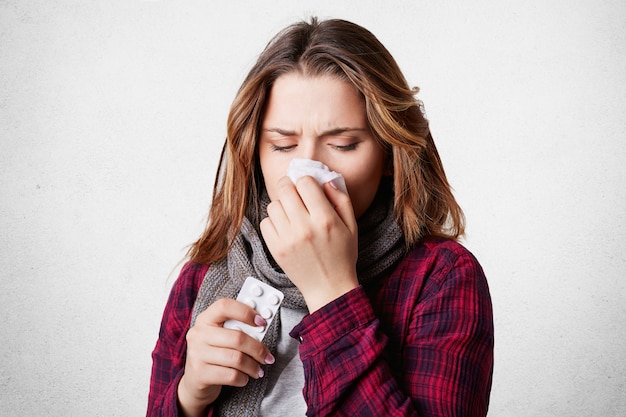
x=344 y=368
x=441 y=324
x=451 y=339
x=190 y=366
x=169 y=353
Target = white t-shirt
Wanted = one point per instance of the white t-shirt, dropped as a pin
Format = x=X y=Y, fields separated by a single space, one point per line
x=283 y=396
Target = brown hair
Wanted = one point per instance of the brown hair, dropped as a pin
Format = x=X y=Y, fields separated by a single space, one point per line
x=423 y=201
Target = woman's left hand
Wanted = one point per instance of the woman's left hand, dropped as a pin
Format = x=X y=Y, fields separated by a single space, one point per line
x=311 y=232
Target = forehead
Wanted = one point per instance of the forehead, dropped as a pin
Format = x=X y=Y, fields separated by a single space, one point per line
x=297 y=97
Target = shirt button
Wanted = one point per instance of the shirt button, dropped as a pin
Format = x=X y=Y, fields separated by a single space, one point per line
x=300 y=339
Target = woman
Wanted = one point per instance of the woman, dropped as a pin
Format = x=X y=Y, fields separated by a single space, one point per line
x=384 y=313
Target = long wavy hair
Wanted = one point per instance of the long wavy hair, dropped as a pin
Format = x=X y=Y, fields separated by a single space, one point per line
x=423 y=201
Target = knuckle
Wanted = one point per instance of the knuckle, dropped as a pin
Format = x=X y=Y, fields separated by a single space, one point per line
x=221 y=304
x=282 y=251
x=233 y=377
x=236 y=358
x=306 y=183
x=228 y=375
x=239 y=338
x=326 y=223
x=272 y=207
x=285 y=184
x=306 y=179
x=242 y=380
x=306 y=234
x=191 y=334
x=262 y=352
x=205 y=316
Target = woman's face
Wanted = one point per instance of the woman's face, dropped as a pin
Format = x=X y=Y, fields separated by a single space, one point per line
x=321 y=118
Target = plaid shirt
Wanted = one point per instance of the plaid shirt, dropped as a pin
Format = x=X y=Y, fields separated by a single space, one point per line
x=418 y=344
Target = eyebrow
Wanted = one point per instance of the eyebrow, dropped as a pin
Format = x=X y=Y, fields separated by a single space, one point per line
x=331 y=132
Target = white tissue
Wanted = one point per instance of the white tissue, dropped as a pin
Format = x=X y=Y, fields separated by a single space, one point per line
x=299 y=167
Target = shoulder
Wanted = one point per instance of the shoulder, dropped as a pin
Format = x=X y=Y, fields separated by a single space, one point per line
x=188 y=284
x=436 y=255
x=439 y=248
x=192 y=274
x=182 y=297
x=436 y=262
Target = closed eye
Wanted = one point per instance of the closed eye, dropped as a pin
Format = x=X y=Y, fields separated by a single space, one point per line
x=277 y=148
x=346 y=148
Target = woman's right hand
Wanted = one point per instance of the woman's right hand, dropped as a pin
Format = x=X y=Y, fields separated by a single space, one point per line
x=217 y=356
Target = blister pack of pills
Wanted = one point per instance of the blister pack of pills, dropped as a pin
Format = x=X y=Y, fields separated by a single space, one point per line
x=263 y=298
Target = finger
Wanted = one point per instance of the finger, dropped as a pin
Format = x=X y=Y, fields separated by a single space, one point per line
x=222 y=375
x=268 y=231
x=342 y=205
x=200 y=339
x=279 y=218
x=234 y=359
x=290 y=199
x=312 y=195
x=275 y=227
x=225 y=309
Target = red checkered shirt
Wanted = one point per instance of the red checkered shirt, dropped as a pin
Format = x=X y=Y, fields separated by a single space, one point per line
x=419 y=343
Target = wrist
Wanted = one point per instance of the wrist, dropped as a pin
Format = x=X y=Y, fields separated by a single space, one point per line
x=190 y=405
x=325 y=327
x=319 y=297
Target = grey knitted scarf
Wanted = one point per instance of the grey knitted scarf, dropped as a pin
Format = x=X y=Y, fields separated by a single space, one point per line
x=381 y=245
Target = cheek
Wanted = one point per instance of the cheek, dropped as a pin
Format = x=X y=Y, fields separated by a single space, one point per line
x=362 y=190
x=362 y=198
x=272 y=172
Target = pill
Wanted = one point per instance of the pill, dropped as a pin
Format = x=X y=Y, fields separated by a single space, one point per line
x=273 y=299
x=266 y=313
x=256 y=290
x=261 y=297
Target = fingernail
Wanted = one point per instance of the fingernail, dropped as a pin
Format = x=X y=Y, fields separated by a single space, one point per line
x=269 y=359
x=261 y=373
x=332 y=184
x=259 y=321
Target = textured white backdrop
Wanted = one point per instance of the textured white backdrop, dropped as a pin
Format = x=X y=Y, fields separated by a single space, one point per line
x=112 y=116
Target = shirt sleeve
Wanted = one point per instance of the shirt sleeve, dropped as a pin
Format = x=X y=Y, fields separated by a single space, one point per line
x=168 y=356
x=450 y=341
x=344 y=369
x=445 y=349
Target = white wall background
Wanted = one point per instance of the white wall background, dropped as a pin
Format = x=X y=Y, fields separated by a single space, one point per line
x=112 y=115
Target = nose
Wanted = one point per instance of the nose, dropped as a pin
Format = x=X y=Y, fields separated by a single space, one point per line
x=309 y=149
